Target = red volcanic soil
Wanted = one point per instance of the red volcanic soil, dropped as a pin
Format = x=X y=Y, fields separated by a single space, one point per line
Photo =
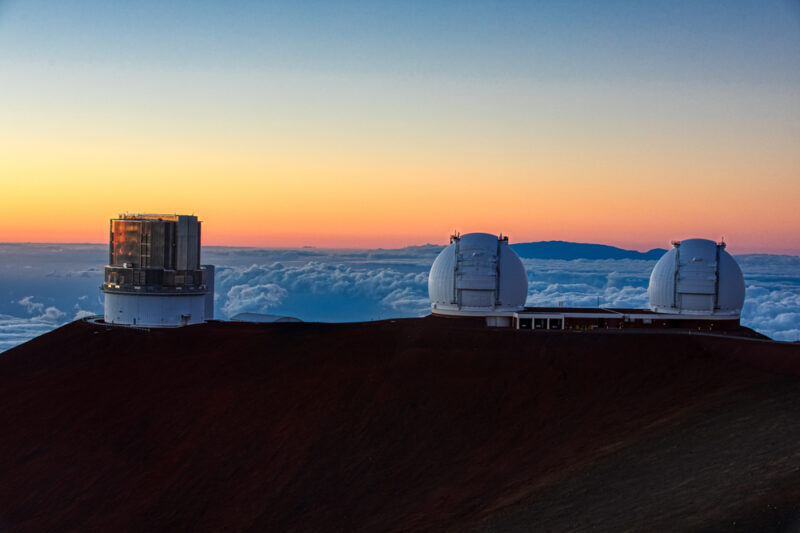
x=409 y=425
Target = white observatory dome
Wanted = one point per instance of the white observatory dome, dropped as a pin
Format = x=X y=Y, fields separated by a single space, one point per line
x=477 y=272
x=697 y=277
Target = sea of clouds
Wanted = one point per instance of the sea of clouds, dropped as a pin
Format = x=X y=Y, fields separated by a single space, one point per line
x=45 y=286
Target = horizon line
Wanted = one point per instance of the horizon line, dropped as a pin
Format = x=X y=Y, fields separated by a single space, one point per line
x=306 y=247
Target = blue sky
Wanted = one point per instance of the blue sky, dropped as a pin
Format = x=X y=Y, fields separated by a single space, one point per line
x=730 y=41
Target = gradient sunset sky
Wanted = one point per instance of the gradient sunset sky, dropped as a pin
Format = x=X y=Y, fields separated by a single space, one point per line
x=367 y=124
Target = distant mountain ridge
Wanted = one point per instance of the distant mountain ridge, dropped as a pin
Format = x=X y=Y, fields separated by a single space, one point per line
x=577 y=250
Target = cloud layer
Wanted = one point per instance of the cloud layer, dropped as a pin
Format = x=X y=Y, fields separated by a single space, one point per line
x=322 y=291
x=253 y=298
x=43 y=286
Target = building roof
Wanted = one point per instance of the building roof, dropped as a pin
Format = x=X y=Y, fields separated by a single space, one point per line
x=567 y=310
x=150 y=216
x=632 y=311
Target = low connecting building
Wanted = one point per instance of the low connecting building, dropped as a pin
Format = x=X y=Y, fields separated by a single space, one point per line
x=154 y=277
x=695 y=285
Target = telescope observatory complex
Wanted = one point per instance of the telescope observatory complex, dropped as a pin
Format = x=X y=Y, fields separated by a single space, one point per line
x=697 y=277
x=695 y=285
x=477 y=274
x=154 y=277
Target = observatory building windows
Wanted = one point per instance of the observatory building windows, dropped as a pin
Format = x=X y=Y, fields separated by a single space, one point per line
x=154 y=276
x=125 y=247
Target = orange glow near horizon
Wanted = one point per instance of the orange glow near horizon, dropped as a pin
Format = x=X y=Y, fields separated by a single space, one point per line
x=327 y=197
x=341 y=211
x=414 y=184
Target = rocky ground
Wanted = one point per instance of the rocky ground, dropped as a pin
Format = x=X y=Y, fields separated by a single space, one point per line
x=406 y=425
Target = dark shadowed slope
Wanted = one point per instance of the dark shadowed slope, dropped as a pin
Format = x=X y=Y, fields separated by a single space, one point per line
x=421 y=424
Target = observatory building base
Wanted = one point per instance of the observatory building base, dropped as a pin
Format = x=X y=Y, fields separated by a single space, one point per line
x=149 y=310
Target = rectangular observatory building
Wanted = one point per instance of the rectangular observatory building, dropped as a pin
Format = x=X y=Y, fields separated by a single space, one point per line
x=154 y=277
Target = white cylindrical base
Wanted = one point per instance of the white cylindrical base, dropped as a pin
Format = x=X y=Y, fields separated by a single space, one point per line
x=154 y=310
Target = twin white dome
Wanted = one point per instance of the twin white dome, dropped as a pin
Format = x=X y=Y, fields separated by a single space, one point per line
x=477 y=272
x=697 y=277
